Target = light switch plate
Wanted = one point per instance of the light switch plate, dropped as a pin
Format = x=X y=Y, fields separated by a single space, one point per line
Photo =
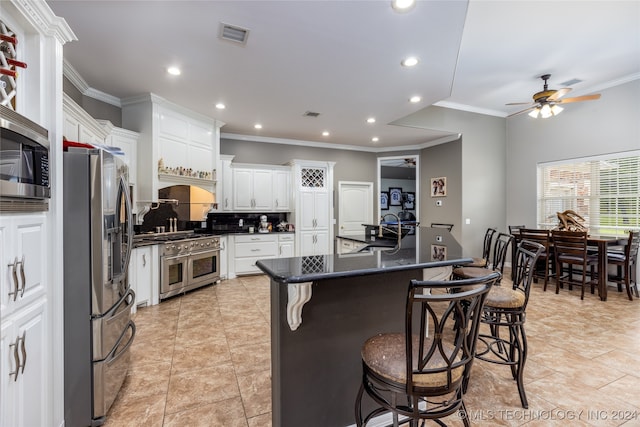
x=439 y=203
x=438 y=238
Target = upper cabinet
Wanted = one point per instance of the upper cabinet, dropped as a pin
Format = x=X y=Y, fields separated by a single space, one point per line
x=259 y=188
x=125 y=140
x=79 y=126
x=176 y=146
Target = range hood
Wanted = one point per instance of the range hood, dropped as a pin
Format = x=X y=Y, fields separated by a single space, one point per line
x=193 y=202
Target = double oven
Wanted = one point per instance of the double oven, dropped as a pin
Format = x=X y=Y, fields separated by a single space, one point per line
x=188 y=264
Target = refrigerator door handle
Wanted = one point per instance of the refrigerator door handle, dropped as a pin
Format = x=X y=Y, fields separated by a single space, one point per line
x=129 y=214
x=130 y=297
x=114 y=355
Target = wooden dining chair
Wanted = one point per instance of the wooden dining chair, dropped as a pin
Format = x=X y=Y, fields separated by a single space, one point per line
x=546 y=261
x=625 y=263
x=570 y=248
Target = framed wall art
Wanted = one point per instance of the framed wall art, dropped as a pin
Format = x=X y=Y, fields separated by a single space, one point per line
x=438 y=252
x=409 y=201
x=395 y=196
x=384 y=200
x=439 y=187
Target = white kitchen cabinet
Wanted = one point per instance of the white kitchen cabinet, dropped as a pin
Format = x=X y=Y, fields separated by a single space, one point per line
x=225 y=189
x=24 y=350
x=224 y=257
x=252 y=189
x=127 y=141
x=23 y=256
x=282 y=190
x=182 y=139
x=79 y=126
x=141 y=274
x=286 y=245
x=345 y=246
x=25 y=368
x=313 y=207
x=249 y=248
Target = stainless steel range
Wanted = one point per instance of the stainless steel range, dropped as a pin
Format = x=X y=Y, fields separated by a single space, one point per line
x=189 y=263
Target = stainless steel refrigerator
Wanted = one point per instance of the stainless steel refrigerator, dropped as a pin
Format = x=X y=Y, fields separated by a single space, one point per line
x=98 y=329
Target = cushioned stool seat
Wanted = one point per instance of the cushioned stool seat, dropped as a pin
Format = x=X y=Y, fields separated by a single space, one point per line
x=504 y=296
x=385 y=355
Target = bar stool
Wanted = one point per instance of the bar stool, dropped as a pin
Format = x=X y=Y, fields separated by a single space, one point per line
x=505 y=308
x=486 y=250
x=625 y=263
x=500 y=250
x=422 y=373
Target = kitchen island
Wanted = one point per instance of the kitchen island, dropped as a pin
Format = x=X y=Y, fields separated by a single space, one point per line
x=324 y=307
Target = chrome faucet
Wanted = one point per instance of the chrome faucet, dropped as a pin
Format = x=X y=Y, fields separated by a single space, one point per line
x=398 y=232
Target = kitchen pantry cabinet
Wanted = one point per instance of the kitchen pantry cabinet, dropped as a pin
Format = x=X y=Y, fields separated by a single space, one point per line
x=24 y=350
x=127 y=141
x=314 y=207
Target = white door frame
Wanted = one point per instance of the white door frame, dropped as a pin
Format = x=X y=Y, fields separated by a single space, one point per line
x=368 y=185
x=379 y=177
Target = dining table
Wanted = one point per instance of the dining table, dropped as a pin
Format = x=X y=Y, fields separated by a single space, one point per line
x=602 y=243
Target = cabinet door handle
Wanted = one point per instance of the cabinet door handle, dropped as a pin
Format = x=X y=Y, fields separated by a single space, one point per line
x=144 y=260
x=16 y=357
x=23 y=277
x=24 y=351
x=14 y=274
x=255 y=250
x=277 y=204
x=226 y=203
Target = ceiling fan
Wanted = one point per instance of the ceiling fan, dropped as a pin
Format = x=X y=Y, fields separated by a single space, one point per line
x=546 y=103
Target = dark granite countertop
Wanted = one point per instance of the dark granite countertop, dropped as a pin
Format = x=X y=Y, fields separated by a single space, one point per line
x=416 y=251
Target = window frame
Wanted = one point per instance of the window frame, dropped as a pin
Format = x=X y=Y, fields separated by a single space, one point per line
x=580 y=184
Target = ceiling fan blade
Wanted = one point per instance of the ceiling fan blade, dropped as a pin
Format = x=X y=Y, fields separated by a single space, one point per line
x=559 y=94
x=579 y=99
x=523 y=111
x=518 y=103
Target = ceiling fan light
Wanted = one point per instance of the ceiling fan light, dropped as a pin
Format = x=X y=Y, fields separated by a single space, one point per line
x=556 y=109
x=545 y=111
x=534 y=113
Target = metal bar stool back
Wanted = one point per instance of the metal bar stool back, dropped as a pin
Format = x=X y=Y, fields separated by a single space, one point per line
x=422 y=373
x=505 y=309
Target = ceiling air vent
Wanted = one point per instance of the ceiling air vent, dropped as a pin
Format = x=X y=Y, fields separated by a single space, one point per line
x=233 y=33
x=311 y=114
x=571 y=82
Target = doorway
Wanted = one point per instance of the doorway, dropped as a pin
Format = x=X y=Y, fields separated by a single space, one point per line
x=399 y=186
x=355 y=206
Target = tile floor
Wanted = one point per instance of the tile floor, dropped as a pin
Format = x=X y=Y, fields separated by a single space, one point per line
x=203 y=359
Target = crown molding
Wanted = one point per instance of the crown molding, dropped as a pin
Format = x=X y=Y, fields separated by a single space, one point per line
x=74 y=77
x=39 y=15
x=327 y=145
x=104 y=97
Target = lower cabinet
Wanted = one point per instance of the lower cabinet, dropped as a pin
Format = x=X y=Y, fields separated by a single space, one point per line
x=250 y=248
x=286 y=245
x=24 y=357
x=345 y=246
x=144 y=275
x=314 y=243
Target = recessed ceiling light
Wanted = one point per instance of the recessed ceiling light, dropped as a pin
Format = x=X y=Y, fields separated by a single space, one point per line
x=403 y=5
x=220 y=106
x=325 y=133
x=257 y=126
x=410 y=61
x=375 y=139
x=174 y=71
x=415 y=99
x=371 y=120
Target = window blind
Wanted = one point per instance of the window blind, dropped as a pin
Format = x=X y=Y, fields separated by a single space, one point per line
x=604 y=190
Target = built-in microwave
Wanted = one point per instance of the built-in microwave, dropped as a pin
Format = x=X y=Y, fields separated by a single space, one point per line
x=24 y=163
